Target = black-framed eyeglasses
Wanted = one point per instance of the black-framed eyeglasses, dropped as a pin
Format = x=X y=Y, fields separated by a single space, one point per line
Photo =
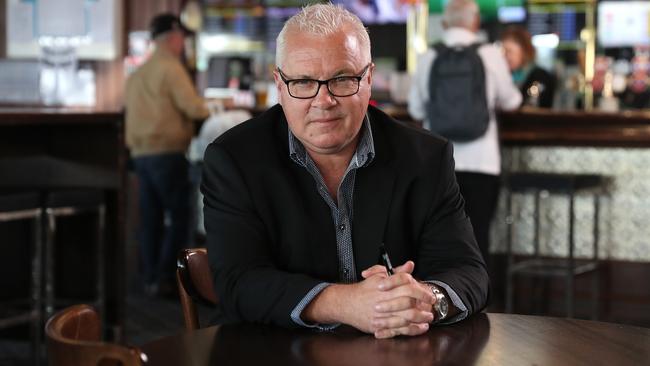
x=340 y=86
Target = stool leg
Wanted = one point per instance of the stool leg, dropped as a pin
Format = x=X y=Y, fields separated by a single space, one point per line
x=536 y=289
x=570 y=264
x=596 y=275
x=509 y=233
x=537 y=222
x=101 y=293
x=50 y=233
x=37 y=291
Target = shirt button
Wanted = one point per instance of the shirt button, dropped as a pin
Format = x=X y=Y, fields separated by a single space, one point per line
x=342 y=227
x=346 y=271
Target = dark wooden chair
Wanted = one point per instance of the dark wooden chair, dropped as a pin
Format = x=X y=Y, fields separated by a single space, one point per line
x=74 y=338
x=194 y=280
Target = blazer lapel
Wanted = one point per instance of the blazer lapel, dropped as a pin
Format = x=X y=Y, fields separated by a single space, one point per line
x=373 y=193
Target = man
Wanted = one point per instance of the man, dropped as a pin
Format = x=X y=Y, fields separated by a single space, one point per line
x=299 y=200
x=161 y=104
x=478 y=162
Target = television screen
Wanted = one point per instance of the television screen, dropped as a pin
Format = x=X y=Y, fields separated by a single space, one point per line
x=377 y=11
x=232 y=72
x=623 y=23
x=564 y=20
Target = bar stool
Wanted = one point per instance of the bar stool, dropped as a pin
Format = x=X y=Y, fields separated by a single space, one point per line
x=70 y=202
x=27 y=206
x=564 y=184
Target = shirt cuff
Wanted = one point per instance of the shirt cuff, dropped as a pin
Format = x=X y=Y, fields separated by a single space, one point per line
x=297 y=311
x=455 y=300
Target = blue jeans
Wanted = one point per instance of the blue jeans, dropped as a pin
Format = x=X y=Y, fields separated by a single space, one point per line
x=164 y=190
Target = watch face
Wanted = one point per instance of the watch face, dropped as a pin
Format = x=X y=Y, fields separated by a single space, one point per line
x=441 y=306
x=444 y=307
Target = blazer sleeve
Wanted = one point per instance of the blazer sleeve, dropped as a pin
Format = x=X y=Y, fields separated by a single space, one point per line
x=448 y=251
x=249 y=284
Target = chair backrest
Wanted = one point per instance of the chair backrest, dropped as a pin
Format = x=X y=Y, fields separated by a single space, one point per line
x=74 y=338
x=195 y=285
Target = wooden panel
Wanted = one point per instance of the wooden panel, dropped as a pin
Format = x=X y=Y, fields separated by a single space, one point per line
x=110 y=83
x=624 y=292
x=88 y=138
x=141 y=12
x=575 y=128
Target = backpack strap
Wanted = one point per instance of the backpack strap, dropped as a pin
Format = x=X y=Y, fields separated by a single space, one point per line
x=440 y=48
x=475 y=46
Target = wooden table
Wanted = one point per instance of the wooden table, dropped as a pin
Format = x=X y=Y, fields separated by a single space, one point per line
x=484 y=339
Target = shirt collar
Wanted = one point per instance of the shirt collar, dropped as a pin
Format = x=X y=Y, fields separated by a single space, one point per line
x=363 y=155
x=459 y=36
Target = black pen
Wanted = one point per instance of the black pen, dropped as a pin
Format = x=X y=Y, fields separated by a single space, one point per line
x=385 y=259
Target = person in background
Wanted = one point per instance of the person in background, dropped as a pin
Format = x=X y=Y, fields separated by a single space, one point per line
x=478 y=162
x=299 y=200
x=161 y=107
x=537 y=85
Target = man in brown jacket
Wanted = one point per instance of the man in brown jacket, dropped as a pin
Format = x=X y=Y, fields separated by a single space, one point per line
x=161 y=105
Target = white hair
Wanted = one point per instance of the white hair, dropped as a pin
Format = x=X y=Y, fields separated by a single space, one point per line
x=460 y=13
x=322 y=20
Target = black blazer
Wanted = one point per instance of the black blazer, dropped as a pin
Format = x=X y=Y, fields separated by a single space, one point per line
x=271 y=238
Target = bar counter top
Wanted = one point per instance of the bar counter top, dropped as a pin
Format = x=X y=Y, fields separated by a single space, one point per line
x=526 y=126
x=544 y=127
x=547 y=127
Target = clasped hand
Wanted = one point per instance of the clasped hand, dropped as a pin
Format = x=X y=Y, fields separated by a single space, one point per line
x=394 y=305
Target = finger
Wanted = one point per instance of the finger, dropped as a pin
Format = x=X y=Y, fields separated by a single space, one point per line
x=406 y=316
x=410 y=330
x=376 y=269
x=413 y=293
x=399 y=279
x=404 y=285
x=424 y=306
x=402 y=304
x=407 y=267
x=391 y=322
x=396 y=304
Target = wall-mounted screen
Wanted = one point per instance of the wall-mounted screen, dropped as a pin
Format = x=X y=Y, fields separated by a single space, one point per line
x=623 y=23
x=564 y=20
x=377 y=11
x=504 y=11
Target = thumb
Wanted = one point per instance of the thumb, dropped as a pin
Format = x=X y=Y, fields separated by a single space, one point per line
x=376 y=269
x=407 y=267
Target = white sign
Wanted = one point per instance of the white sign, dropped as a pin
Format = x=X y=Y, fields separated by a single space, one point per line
x=94 y=25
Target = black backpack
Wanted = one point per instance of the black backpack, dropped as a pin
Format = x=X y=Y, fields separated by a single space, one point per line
x=458 y=107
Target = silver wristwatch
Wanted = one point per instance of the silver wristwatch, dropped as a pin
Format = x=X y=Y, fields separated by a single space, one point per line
x=441 y=307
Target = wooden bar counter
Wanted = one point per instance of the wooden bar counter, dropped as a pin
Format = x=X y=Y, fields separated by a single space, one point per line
x=613 y=145
x=544 y=127
x=78 y=137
